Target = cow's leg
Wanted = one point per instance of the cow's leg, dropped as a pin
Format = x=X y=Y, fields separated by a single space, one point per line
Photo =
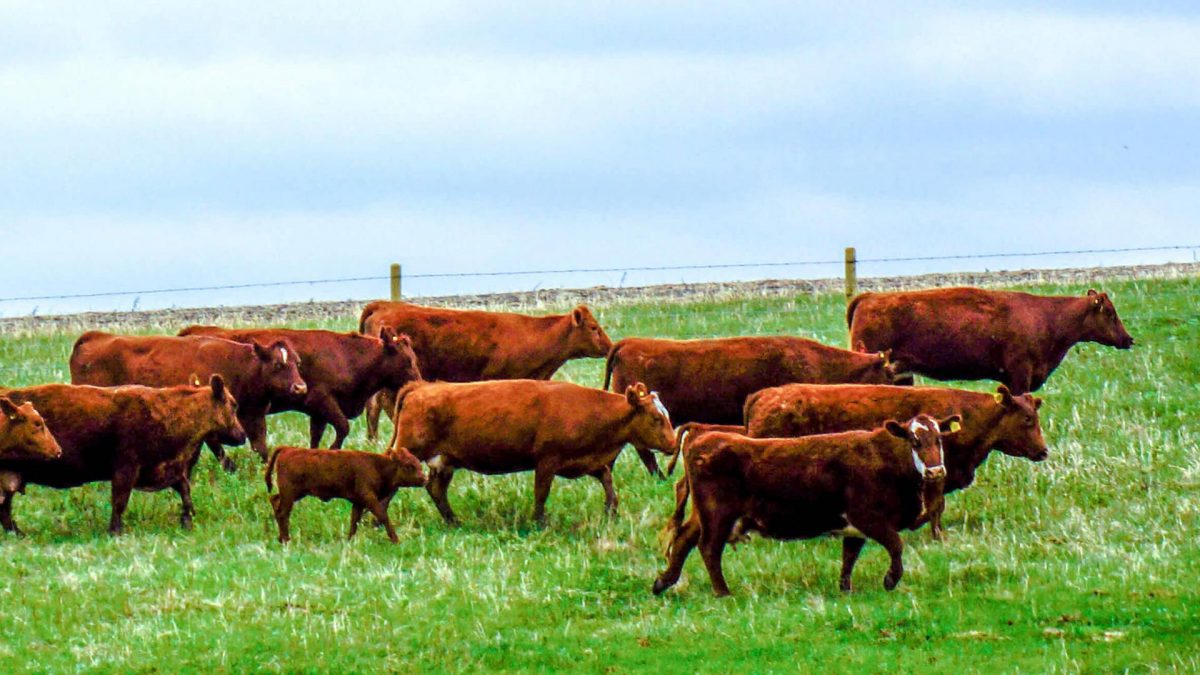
x=681 y=546
x=604 y=475
x=383 y=401
x=282 y=503
x=1019 y=376
x=184 y=487
x=256 y=430
x=650 y=462
x=381 y=515
x=6 y=519
x=887 y=536
x=124 y=478
x=439 y=482
x=218 y=452
x=935 y=522
x=543 y=478
x=713 y=536
x=851 y=547
x=355 y=516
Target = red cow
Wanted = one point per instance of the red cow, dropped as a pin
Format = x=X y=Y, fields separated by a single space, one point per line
x=23 y=433
x=708 y=380
x=365 y=479
x=989 y=421
x=342 y=370
x=124 y=435
x=258 y=377
x=861 y=484
x=551 y=428
x=456 y=345
x=973 y=334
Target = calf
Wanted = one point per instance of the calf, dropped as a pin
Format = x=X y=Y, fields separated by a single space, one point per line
x=456 y=345
x=341 y=370
x=975 y=334
x=258 y=377
x=551 y=428
x=365 y=479
x=708 y=380
x=23 y=433
x=134 y=436
x=997 y=421
x=860 y=484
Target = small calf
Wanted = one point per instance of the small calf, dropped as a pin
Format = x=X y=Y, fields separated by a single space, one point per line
x=367 y=480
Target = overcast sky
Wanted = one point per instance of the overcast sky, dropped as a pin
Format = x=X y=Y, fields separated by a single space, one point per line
x=164 y=145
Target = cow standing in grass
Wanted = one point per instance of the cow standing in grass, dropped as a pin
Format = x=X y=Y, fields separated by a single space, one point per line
x=975 y=334
x=457 y=345
x=860 y=484
x=341 y=370
x=550 y=428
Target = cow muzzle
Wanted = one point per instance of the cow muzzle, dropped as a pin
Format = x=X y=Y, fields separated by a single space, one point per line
x=299 y=389
x=934 y=472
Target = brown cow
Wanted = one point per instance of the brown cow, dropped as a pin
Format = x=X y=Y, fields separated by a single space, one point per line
x=974 y=334
x=365 y=479
x=23 y=433
x=457 y=345
x=258 y=377
x=551 y=428
x=708 y=380
x=342 y=370
x=124 y=435
x=998 y=421
x=861 y=484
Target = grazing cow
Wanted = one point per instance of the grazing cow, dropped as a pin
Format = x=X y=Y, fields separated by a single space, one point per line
x=708 y=380
x=258 y=377
x=973 y=334
x=342 y=370
x=23 y=433
x=551 y=428
x=998 y=421
x=134 y=436
x=456 y=345
x=860 y=484
x=365 y=479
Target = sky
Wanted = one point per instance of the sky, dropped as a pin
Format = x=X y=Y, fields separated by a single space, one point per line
x=166 y=145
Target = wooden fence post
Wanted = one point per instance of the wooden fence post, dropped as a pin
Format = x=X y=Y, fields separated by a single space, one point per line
x=851 y=274
x=395 y=282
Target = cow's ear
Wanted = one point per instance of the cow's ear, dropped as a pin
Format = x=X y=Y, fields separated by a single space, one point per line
x=896 y=429
x=8 y=407
x=577 y=316
x=631 y=394
x=1003 y=396
x=950 y=425
x=1037 y=403
x=1092 y=292
x=389 y=339
x=405 y=340
x=263 y=353
x=218 y=387
x=861 y=347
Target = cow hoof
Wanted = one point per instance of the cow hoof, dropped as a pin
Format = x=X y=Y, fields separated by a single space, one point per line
x=659 y=586
x=228 y=464
x=846 y=586
x=889 y=582
x=186 y=524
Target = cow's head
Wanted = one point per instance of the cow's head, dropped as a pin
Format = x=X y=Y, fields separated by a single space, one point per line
x=226 y=427
x=924 y=436
x=1101 y=323
x=399 y=365
x=23 y=433
x=1018 y=433
x=587 y=338
x=651 y=426
x=280 y=365
x=406 y=468
x=881 y=369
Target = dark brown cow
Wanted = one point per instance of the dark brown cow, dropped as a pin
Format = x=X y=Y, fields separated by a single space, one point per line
x=998 y=421
x=708 y=380
x=973 y=334
x=342 y=370
x=457 y=345
x=258 y=377
x=23 y=433
x=365 y=479
x=550 y=428
x=861 y=484
x=134 y=436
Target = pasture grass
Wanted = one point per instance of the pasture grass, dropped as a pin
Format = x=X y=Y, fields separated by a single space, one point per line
x=1086 y=562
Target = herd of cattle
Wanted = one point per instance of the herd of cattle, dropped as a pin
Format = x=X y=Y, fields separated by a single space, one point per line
x=782 y=436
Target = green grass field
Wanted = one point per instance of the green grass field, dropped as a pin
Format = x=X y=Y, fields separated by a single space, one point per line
x=1086 y=562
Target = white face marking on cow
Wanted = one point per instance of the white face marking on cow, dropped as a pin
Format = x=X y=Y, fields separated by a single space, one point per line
x=917 y=426
x=659 y=405
x=283 y=353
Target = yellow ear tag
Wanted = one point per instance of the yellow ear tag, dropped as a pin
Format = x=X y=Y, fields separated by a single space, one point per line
x=195 y=380
x=999 y=397
x=955 y=426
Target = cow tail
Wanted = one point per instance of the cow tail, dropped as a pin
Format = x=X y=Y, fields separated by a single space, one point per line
x=401 y=394
x=271 y=468
x=608 y=365
x=683 y=490
x=366 y=314
x=681 y=435
x=850 y=309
